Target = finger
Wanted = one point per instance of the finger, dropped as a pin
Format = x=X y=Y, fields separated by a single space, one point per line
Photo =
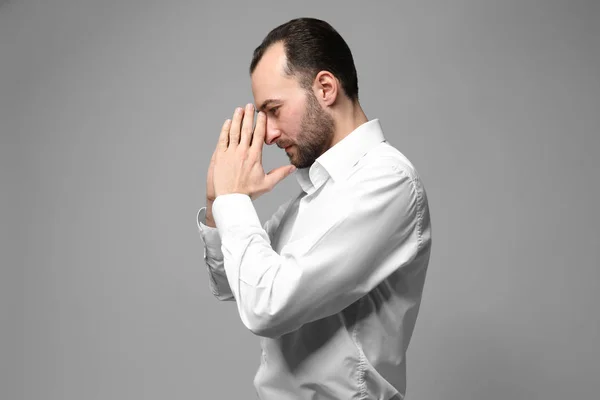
x=224 y=136
x=246 y=134
x=234 y=130
x=278 y=174
x=258 y=138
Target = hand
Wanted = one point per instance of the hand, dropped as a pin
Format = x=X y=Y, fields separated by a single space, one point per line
x=238 y=157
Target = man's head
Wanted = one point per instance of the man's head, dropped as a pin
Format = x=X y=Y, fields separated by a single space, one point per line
x=307 y=69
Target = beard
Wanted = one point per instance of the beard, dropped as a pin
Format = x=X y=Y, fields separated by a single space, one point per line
x=316 y=132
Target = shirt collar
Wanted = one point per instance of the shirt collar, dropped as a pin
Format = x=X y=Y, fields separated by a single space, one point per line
x=338 y=160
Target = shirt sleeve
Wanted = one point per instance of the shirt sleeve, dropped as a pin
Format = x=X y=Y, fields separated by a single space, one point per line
x=213 y=256
x=368 y=229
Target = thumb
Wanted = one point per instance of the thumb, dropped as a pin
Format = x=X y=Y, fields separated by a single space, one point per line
x=278 y=174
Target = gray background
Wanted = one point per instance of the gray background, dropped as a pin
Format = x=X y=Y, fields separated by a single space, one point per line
x=110 y=110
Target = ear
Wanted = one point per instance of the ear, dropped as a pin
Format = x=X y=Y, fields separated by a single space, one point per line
x=326 y=88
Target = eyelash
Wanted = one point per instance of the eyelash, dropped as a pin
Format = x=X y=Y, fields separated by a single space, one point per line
x=274 y=110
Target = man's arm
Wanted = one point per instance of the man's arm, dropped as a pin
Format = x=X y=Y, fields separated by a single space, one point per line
x=213 y=256
x=375 y=225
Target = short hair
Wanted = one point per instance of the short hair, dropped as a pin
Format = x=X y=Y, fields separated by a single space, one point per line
x=312 y=45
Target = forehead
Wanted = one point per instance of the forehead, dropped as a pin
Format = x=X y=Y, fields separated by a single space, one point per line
x=268 y=80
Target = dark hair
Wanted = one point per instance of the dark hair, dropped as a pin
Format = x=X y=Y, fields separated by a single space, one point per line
x=312 y=45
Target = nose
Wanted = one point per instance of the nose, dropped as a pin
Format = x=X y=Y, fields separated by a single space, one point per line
x=272 y=132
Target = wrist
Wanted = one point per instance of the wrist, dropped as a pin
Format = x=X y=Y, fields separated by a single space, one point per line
x=208 y=217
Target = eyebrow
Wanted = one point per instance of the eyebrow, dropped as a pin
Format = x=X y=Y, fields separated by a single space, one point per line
x=266 y=103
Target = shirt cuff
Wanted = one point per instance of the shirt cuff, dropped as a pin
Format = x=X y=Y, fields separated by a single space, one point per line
x=232 y=210
x=209 y=235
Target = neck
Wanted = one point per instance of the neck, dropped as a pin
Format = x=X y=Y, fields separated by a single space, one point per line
x=350 y=117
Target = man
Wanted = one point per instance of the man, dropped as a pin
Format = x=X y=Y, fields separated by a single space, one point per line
x=332 y=282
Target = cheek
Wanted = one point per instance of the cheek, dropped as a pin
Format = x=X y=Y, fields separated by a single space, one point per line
x=292 y=122
x=296 y=116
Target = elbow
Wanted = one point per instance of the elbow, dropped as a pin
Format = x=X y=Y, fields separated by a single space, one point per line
x=224 y=297
x=221 y=295
x=273 y=313
x=269 y=326
x=266 y=331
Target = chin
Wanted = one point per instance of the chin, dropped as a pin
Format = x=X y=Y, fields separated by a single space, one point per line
x=294 y=162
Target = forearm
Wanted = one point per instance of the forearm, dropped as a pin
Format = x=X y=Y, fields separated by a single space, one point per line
x=212 y=254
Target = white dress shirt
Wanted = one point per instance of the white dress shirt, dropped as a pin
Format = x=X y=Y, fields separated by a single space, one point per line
x=332 y=282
